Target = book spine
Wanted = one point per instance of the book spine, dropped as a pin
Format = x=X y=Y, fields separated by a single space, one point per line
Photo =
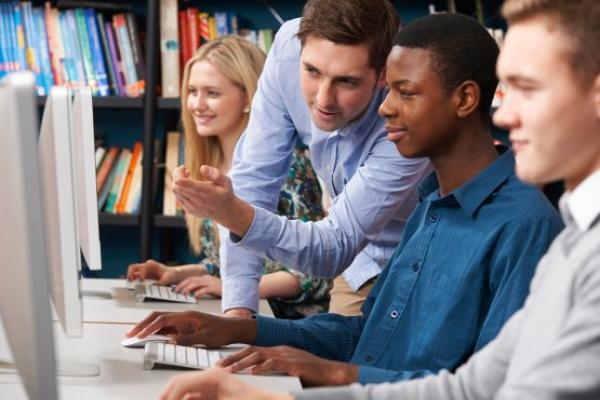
x=137 y=149
x=105 y=168
x=221 y=21
x=127 y=63
x=138 y=56
x=203 y=28
x=192 y=25
x=32 y=53
x=117 y=185
x=4 y=58
x=54 y=48
x=169 y=48
x=212 y=28
x=104 y=192
x=135 y=193
x=45 y=60
x=20 y=37
x=99 y=157
x=115 y=56
x=233 y=23
x=72 y=38
x=112 y=78
x=96 y=50
x=86 y=53
x=184 y=40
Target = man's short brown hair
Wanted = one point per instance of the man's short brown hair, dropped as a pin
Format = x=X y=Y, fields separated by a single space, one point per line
x=578 y=19
x=352 y=22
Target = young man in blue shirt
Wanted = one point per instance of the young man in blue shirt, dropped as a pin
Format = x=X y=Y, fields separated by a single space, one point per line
x=469 y=250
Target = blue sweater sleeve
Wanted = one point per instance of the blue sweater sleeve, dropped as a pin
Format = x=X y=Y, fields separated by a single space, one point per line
x=329 y=336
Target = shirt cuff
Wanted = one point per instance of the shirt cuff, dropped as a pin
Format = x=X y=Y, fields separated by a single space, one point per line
x=240 y=293
x=271 y=331
x=374 y=375
x=353 y=391
x=261 y=234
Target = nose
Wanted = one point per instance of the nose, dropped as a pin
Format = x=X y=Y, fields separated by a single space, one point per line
x=198 y=102
x=506 y=116
x=385 y=109
x=325 y=95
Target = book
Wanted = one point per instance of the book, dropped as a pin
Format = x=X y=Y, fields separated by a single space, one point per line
x=119 y=181
x=136 y=47
x=99 y=156
x=169 y=48
x=192 y=30
x=184 y=40
x=107 y=185
x=5 y=60
x=31 y=47
x=105 y=168
x=132 y=85
x=115 y=57
x=18 y=29
x=203 y=29
x=171 y=162
x=86 y=51
x=135 y=159
x=72 y=48
x=98 y=63
x=55 y=46
x=109 y=64
x=45 y=61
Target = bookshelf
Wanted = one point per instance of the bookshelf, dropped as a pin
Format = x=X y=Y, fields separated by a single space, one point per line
x=149 y=234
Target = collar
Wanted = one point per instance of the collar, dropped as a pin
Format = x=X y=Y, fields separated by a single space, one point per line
x=581 y=205
x=471 y=195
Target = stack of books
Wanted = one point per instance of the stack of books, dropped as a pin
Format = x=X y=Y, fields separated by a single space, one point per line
x=75 y=47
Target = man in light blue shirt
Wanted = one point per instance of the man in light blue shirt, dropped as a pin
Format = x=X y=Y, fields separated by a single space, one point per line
x=322 y=85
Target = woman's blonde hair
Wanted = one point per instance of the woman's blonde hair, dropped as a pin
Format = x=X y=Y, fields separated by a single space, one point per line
x=241 y=62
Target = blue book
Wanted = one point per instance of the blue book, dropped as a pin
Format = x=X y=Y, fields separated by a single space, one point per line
x=32 y=48
x=45 y=62
x=96 y=50
x=73 y=42
x=107 y=57
x=18 y=29
x=4 y=58
x=221 y=22
x=68 y=61
x=11 y=36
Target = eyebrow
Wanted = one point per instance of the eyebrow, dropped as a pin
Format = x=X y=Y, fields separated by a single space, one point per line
x=338 y=77
x=401 y=82
x=520 y=79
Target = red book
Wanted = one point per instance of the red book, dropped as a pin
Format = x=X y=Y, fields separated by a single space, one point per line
x=192 y=26
x=184 y=39
x=109 y=160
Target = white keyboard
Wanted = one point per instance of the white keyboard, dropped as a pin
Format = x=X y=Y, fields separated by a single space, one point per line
x=179 y=356
x=160 y=293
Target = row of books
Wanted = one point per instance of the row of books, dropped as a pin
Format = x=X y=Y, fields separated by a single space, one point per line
x=76 y=47
x=119 y=179
x=183 y=31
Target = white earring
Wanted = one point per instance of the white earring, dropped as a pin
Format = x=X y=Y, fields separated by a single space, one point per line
x=246 y=109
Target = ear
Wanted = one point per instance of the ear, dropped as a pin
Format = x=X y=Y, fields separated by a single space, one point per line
x=596 y=94
x=467 y=97
x=381 y=78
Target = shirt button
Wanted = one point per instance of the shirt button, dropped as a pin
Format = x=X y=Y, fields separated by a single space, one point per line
x=369 y=358
x=415 y=267
x=394 y=314
x=433 y=217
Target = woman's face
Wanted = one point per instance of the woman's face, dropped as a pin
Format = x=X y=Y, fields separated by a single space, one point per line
x=215 y=102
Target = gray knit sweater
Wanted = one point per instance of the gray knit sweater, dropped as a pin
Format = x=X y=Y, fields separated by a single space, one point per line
x=550 y=349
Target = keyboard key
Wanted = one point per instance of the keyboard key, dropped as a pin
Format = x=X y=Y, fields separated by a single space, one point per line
x=180 y=355
x=203 y=357
x=192 y=356
x=214 y=356
x=169 y=353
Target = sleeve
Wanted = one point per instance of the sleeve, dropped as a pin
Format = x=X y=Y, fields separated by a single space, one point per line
x=479 y=378
x=374 y=194
x=523 y=244
x=330 y=336
x=570 y=369
x=260 y=164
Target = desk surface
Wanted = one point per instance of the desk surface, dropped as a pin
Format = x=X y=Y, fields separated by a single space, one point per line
x=121 y=373
x=122 y=308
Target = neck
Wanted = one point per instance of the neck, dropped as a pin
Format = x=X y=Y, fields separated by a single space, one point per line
x=464 y=159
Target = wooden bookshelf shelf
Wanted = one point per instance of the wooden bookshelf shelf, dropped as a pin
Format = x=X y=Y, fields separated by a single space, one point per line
x=118 y=219
x=108 y=102
x=164 y=221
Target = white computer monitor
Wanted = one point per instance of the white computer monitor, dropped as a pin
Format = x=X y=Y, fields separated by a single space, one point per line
x=24 y=294
x=85 y=177
x=55 y=155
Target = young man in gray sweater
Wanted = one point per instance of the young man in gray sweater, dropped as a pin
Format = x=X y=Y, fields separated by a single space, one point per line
x=550 y=349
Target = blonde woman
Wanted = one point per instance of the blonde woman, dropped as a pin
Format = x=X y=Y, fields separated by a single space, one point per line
x=219 y=82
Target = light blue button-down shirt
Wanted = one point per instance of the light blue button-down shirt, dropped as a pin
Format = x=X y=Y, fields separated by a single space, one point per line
x=371 y=184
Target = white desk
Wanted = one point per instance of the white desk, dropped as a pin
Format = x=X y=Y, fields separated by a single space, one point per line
x=122 y=308
x=121 y=373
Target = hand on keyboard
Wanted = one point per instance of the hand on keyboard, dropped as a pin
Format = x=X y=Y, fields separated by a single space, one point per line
x=191 y=327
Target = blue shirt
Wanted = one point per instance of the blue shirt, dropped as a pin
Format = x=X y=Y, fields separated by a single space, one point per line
x=371 y=184
x=462 y=268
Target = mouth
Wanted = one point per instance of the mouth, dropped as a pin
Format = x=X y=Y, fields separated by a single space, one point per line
x=326 y=114
x=203 y=119
x=518 y=144
x=395 y=133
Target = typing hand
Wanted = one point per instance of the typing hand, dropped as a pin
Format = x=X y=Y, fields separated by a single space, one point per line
x=192 y=327
x=152 y=270
x=214 y=384
x=198 y=286
x=213 y=198
x=312 y=370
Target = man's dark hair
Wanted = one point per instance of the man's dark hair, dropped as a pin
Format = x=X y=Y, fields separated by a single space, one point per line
x=461 y=50
x=352 y=22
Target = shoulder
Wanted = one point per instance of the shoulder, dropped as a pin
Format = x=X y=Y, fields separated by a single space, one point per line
x=286 y=46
